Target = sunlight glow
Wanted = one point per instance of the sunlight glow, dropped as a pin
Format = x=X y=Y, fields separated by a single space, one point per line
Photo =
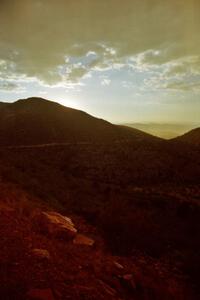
x=68 y=102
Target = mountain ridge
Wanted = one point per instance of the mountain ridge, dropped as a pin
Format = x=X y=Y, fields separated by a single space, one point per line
x=38 y=121
x=191 y=137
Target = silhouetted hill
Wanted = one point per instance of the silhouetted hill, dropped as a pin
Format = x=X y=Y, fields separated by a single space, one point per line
x=39 y=121
x=192 y=137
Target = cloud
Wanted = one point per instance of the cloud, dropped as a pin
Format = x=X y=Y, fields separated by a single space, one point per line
x=127 y=84
x=37 y=36
x=189 y=65
x=184 y=86
x=182 y=74
x=105 y=81
x=8 y=86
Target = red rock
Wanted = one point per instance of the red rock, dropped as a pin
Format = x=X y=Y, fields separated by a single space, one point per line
x=118 y=265
x=55 y=225
x=41 y=254
x=81 y=239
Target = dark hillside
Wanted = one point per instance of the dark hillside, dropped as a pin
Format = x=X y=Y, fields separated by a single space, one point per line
x=38 y=121
x=192 y=137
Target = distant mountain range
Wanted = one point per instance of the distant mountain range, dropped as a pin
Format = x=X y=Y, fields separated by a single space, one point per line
x=164 y=130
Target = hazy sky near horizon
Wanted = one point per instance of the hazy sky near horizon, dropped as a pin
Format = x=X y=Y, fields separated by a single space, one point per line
x=125 y=61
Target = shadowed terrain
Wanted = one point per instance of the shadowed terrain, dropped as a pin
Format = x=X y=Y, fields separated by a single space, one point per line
x=192 y=137
x=137 y=195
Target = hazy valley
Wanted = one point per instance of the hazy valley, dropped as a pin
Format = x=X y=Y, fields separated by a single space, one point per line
x=166 y=131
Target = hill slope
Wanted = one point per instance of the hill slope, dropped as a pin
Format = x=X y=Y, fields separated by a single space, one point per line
x=192 y=137
x=38 y=121
x=37 y=265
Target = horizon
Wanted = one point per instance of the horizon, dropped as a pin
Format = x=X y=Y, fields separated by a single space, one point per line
x=122 y=62
x=127 y=122
x=162 y=130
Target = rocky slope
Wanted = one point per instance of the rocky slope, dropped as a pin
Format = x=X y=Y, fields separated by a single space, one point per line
x=39 y=264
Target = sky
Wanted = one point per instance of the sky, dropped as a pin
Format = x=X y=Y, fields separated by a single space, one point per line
x=121 y=60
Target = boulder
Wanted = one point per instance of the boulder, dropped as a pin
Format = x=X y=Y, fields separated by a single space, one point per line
x=118 y=265
x=41 y=254
x=54 y=224
x=81 y=239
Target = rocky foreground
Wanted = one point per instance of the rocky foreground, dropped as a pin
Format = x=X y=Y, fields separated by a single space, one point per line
x=47 y=255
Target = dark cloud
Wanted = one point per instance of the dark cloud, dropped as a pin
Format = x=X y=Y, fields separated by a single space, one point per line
x=8 y=86
x=37 y=36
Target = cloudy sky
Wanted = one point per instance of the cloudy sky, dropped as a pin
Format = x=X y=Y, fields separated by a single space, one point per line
x=123 y=60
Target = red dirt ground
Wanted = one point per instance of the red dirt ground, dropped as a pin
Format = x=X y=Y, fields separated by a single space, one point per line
x=73 y=271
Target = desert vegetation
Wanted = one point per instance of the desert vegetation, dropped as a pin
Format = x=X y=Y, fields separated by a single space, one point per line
x=138 y=200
